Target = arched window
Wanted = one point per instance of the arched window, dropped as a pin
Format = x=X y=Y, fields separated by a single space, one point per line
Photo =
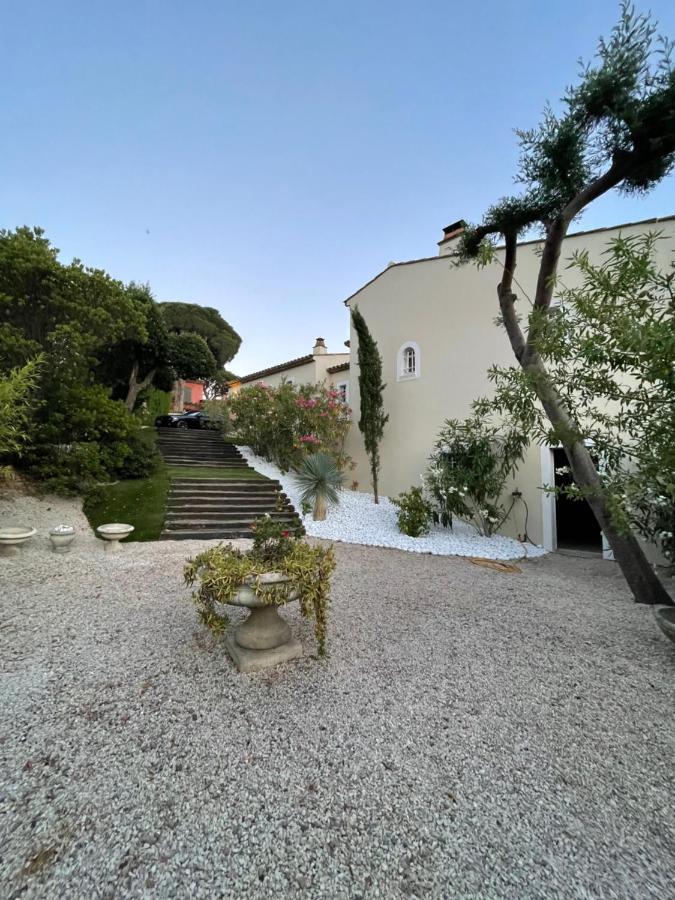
x=408 y=361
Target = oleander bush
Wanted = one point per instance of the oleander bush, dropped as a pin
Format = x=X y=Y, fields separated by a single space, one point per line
x=287 y=423
x=469 y=467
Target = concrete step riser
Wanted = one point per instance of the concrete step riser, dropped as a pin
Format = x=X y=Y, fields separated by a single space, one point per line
x=229 y=514
x=200 y=454
x=218 y=503
x=247 y=483
x=204 y=464
x=206 y=524
x=198 y=492
x=205 y=536
x=222 y=486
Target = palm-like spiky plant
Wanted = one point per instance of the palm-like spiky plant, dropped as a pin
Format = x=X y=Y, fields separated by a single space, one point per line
x=320 y=482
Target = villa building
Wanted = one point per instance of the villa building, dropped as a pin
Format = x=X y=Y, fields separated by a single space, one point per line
x=435 y=330
x=317 y=367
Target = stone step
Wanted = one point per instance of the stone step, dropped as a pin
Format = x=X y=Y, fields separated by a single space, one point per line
x=221 y=517
x=265 y=488
x=241 y=521
x=207 y=534
x=185 y=480
x=198 y=447
x=183 y=440
x=228 y=502
x=205 y=460
x=175 y=437
x=209 y=464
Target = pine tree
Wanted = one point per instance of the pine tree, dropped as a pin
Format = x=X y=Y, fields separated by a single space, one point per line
x=373 y=419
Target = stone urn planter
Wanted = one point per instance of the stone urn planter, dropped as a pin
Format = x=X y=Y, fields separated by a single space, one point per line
x=113 y=533
x=12 y=536
x=279 y=568
x=264 y=638
x=61 y=537
x=665 y=619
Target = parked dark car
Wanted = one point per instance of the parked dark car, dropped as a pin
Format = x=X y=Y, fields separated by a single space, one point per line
x=184 y=420
x=167 y=421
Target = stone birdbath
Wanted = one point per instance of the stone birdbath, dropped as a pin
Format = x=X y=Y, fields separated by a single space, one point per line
x=61 y=537
x=665 y=619
x=264 y=639
x=113 y=533
x=12 y=536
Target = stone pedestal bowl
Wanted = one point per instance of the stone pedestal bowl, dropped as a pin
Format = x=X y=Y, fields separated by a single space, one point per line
x=665 y=619
x=264 y=638
x=12 y=536
x=61 y=537
x=113 y=533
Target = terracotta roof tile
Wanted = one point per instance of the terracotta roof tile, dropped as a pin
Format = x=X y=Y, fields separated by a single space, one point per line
x=341 y=368
x=291 y=364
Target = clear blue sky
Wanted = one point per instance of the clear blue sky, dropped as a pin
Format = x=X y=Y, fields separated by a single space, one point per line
x=268 y=158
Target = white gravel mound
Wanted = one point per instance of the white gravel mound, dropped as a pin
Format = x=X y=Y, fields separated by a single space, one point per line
x=358 y=520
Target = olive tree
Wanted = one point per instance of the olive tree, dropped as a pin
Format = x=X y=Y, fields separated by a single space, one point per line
x=616 y=131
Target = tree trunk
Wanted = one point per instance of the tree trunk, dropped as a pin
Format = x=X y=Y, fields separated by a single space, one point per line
x=640 y=576
x=136 y=386
x=373 y=472
x=319 y=508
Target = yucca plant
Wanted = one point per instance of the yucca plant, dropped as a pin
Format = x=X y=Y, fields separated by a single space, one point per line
x=320 y=482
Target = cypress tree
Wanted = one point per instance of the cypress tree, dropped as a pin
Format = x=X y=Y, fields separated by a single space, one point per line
x=373 y=419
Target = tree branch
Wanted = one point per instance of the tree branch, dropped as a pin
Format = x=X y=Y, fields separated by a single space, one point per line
x=507 y=299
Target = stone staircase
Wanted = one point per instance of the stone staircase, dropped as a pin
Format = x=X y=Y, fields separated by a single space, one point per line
x=217 y=508
x=196 y=447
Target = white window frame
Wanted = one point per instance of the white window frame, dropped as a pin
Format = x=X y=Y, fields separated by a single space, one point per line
x=401 y=373
x=345 y=385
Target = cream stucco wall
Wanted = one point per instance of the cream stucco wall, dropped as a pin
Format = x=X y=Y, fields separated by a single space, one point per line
x=314 y=372
x=449 y=313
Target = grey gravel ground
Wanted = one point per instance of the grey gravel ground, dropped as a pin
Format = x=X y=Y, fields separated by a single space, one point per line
x=473 y=734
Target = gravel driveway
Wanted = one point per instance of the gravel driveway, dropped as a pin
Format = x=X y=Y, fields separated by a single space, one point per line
x=473 y=734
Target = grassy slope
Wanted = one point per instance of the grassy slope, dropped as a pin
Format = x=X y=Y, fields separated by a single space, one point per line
x=141 y=502
x=208 y=472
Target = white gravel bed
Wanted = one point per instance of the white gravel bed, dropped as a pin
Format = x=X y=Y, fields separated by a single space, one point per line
x=358 y=520
x=472 y=734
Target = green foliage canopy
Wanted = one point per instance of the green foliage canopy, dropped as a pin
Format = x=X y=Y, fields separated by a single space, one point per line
x=207 y=322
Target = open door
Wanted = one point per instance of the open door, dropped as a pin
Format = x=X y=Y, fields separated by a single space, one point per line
x=576 y=526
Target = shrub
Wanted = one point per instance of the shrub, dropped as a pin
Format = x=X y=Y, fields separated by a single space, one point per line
x=157 y=403
x=141 y=458
x=87 y=438
x=320 y=482
x=470 y=465
x=414 y=514
x=287 y=423
x=17 y=390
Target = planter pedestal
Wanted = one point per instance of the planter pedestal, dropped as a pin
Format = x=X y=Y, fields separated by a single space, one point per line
x=264 y=639
x=254 y=660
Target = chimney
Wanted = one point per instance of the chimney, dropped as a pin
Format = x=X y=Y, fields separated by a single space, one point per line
x=320 y=347
x=449 y=233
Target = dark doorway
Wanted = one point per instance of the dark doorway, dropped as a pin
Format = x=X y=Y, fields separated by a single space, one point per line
x=576 y=526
